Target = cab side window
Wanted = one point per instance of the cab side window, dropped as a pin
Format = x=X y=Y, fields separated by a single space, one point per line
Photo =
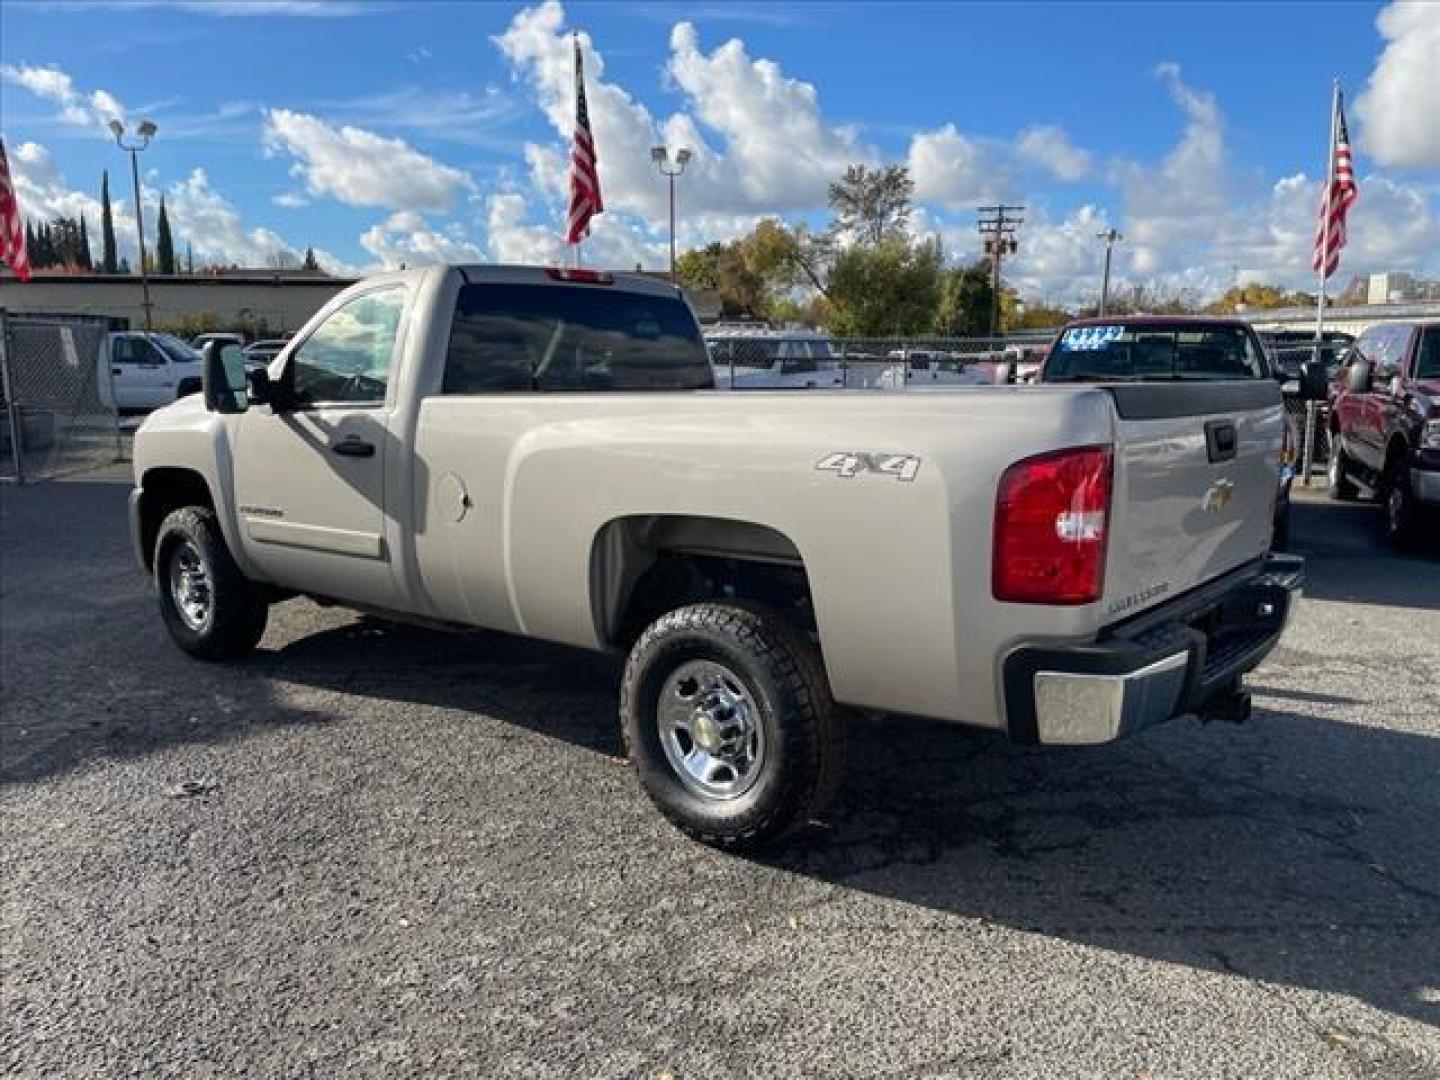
x=136 y=350
x=347 y=360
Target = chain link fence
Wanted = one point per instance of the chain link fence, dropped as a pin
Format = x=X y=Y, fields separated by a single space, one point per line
x=761 y=359
x=774 y=360
x=57 y=417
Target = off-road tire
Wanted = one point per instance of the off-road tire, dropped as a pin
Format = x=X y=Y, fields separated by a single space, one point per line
x=239 y=608
x=1342 y=488
x=782 y=671
x=1401 y=522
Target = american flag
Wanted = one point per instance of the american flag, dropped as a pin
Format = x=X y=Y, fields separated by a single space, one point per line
x=12 y=233
x=1335 y=201
x=585 y=201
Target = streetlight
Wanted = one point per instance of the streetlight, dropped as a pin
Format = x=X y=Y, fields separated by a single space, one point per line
x=145 y=132
x=660 y=157
x=1111 y=236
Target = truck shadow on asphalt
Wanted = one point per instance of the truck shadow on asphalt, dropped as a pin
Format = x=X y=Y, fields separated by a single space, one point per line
x=1348 y=560
x=1299 y=849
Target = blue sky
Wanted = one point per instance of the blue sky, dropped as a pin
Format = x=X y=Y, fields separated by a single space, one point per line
x=383 y=133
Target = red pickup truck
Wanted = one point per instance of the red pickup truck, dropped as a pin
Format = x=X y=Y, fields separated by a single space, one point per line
x=1385 y=425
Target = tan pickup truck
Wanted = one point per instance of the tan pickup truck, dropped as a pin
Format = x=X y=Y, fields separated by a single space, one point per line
x=541 y=452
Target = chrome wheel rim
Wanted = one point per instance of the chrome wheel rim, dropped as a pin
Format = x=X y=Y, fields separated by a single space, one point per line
x=190 y=585
x=710 y=729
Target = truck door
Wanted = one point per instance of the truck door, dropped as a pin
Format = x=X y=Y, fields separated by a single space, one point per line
x=141 y=373
x=310 y=473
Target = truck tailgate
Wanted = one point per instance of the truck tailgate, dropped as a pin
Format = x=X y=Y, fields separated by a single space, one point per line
x=1196 y=476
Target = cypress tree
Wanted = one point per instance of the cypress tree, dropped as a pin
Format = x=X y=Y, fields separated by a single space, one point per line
x=85 y=260
x=31 y=244
x=164 y=243
x=108 y=263
x=311 y=263
x=189 y=259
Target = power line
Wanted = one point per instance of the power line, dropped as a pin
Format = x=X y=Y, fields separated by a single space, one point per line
x=997 y=226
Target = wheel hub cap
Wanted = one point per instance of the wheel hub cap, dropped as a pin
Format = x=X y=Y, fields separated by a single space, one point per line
x=190 y=585
x=710 y=730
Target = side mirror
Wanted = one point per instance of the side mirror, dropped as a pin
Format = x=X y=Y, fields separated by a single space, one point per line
x=262 y=390
x=222 y=379
x=1358 y=381
x=1314 y=385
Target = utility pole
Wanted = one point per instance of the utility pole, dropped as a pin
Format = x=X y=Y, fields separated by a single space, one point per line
x=1111 y=237
x=997 y=226
x=145 y=132
x=660 y=156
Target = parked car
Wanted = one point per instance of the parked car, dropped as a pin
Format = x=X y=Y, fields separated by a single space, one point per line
x=1182 y=348
x=1385 y=424
x=260 y=353
x=1064 y=563
x=1289 y=349
x=146 y=370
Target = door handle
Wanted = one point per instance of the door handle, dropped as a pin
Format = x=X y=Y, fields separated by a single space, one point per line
x=353 y=446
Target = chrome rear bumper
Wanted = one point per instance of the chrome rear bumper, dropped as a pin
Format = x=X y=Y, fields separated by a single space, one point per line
x=1186 y=656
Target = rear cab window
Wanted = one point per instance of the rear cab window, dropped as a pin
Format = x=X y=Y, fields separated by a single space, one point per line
x=1123 y=352
x=518 y=337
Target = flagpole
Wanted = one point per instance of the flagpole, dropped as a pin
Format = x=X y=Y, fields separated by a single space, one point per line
x=1307 y=451
x=1327 y=193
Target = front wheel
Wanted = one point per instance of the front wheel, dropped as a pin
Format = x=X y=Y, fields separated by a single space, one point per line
x=1342 y=488
x=728 y=718
x=1400 y=509
x=211 y=609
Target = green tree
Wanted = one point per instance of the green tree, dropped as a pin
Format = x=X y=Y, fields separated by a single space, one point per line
x=164 y=243
x=966 y=298
x=85 y=262
x=310 y=263
x=892 y=288
x=872 y=205
x=124 y=267
x=189 y=259
x=108 y=264
x=32 y=245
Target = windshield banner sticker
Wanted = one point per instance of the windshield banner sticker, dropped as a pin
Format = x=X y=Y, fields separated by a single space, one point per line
x=1083 y=338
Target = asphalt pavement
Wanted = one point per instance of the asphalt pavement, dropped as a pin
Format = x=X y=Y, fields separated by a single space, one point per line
x=379 y=851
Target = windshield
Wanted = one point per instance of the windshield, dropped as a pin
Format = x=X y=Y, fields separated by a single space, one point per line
x=175 y=349
x=1427 y=364
x=1121 y=353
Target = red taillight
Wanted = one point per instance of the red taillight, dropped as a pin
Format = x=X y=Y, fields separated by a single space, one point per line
x=588 y=277
x=1051 y=520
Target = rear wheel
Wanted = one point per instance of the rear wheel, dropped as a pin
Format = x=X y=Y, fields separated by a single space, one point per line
x=728 y=718
x=211 y=609
x=1341 y=486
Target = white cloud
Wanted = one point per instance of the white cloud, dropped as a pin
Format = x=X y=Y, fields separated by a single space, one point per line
x=359 y=167
x=954 y=171
x=54 y=85
x=760 y=143
x=405 y=238
x=1049 y=148
x=198 y=213
x=1397 y=109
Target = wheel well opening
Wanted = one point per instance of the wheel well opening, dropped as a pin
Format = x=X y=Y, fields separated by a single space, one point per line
x=643 y=567
x=166 y=490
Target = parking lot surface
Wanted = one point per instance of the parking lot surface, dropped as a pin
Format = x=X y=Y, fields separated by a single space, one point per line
x=381 y=851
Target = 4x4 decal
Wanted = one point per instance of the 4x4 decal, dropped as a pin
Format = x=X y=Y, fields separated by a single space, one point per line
x=853 y=462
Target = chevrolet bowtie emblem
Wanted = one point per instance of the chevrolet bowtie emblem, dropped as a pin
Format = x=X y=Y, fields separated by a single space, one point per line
x=1218 y=495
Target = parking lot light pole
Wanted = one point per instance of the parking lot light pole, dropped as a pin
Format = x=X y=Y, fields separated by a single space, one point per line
x=145 y=132
x=1111 y=237
x=661 y=156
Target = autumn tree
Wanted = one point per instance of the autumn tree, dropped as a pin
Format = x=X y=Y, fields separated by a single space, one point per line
x=872 y=205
